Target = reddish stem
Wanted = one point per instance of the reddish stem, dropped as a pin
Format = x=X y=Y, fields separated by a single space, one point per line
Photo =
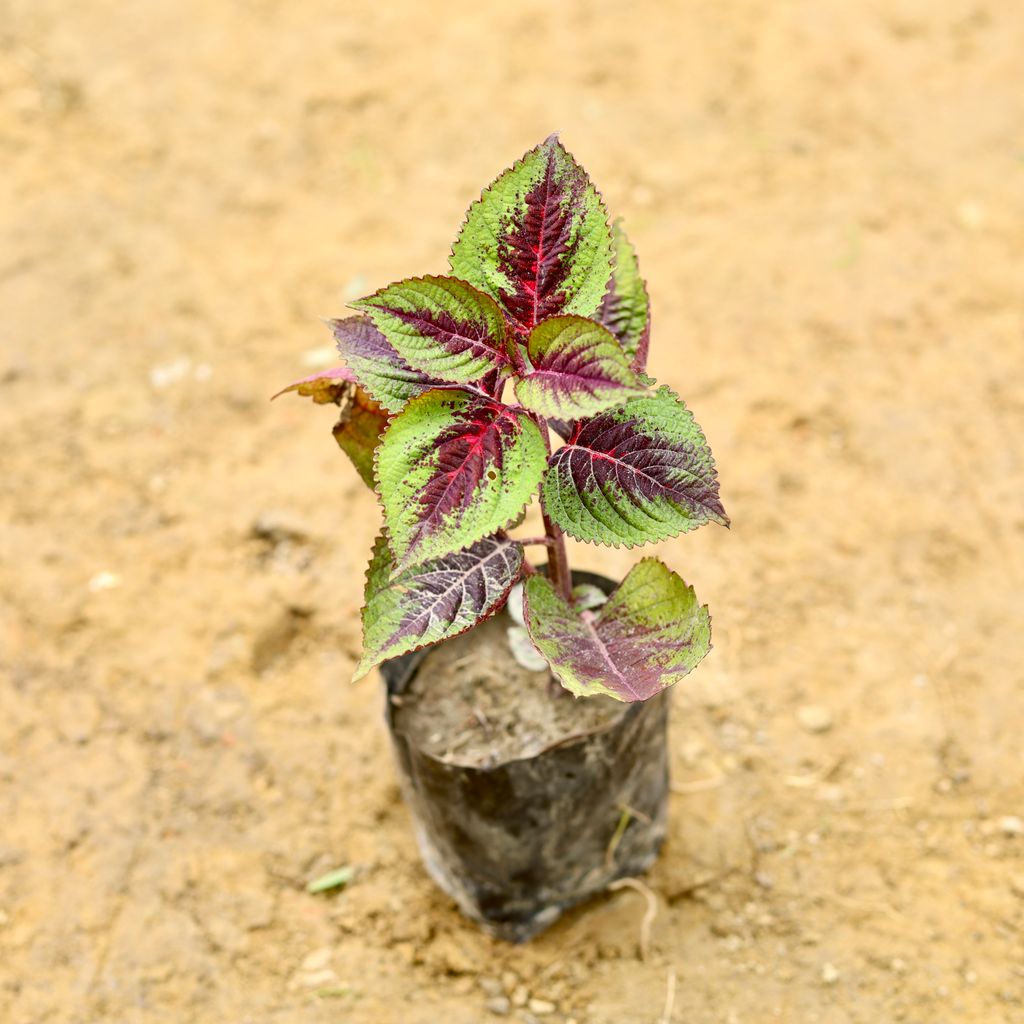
x=558 y=561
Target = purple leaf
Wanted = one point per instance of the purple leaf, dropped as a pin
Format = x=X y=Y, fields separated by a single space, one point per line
x=376 y=365
x=578 y=369
x=538 y=239
x=453 y=469
x=626 y=309
x=441 y=326
x=637 y=473
x=434 y=601
x=648 y=635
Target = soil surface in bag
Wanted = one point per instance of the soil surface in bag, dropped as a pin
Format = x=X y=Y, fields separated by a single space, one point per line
x=471 y=703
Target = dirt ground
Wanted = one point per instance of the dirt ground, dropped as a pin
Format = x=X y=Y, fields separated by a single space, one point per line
x=828 y=201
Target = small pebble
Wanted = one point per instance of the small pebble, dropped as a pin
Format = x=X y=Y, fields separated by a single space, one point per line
x=317 y=960
x=541 y=1007
x=509 y=981
x=1011 y=825
x=814 y=718
x=520 y=996
x=318 y=979
x=1017 y=884
x=103 y=581
x=490 y=986
x=499 y=1006
x=166 y=374
x=829 y=974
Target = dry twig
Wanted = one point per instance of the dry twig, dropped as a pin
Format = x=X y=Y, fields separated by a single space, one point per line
x=670 y=997
x=649 y=914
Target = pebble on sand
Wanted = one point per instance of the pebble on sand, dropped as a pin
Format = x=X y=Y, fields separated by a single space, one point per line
x=814 y=718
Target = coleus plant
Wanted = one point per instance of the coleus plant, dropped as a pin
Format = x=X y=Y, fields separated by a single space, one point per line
x=452 y=388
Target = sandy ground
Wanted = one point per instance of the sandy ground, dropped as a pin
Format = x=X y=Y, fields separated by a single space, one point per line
x=828 y=200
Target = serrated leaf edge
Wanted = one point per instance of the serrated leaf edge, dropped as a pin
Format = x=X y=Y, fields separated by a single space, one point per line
x=360 y=671
x=504 y=350
x=629 y=545
x=554 y=137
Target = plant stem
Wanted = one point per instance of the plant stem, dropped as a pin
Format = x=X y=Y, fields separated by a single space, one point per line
x=558 y=561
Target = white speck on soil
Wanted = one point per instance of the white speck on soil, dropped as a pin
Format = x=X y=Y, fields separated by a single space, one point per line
x=814 y=718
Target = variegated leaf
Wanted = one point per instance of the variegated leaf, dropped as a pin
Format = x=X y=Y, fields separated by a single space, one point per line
x=441 y=326
x=578 y=369
x=626 y=309
x=453 y=469
x=538 y=239
x=376 y=365
x=434 y=601
x=638 y=473
x=648 y=635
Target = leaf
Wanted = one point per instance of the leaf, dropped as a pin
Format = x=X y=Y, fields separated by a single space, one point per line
x=324 y=387
x=453 y=469
x=375 y=363
x=626 y=309
x=579 y=369
x=434 y=601
x=441 y=326
x=523 y=652
x=359 y=429
x=649 y=634
x=331 y=880
x=587 y=596
x=638 y=473
x=514 y=605
x=538 y=239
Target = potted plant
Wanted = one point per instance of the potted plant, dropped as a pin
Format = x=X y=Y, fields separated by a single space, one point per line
x=525 y=799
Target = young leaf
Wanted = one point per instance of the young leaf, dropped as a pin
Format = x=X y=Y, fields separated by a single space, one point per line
x=358 y=430
x=579 y=369
x=434 y=601
x=626 y=309
x=453 y=469
x=649 y=634
x=324 y=387
x=538 y=239
x=638 y=473
x=441 y=326
x=376 y=365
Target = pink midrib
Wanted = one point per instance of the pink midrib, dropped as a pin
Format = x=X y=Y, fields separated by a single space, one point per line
x=606 y=657
x=540 y=241
x=475 y=444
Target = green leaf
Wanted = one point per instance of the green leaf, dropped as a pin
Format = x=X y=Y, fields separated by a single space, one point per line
x=441 y=326
x=648 y=635
x=332 y=880
x=626 y=309
x=579 y=369
x=453 y=469
x=376 y=365
x=537 y=240
x=635 y=474
x=434 y=601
